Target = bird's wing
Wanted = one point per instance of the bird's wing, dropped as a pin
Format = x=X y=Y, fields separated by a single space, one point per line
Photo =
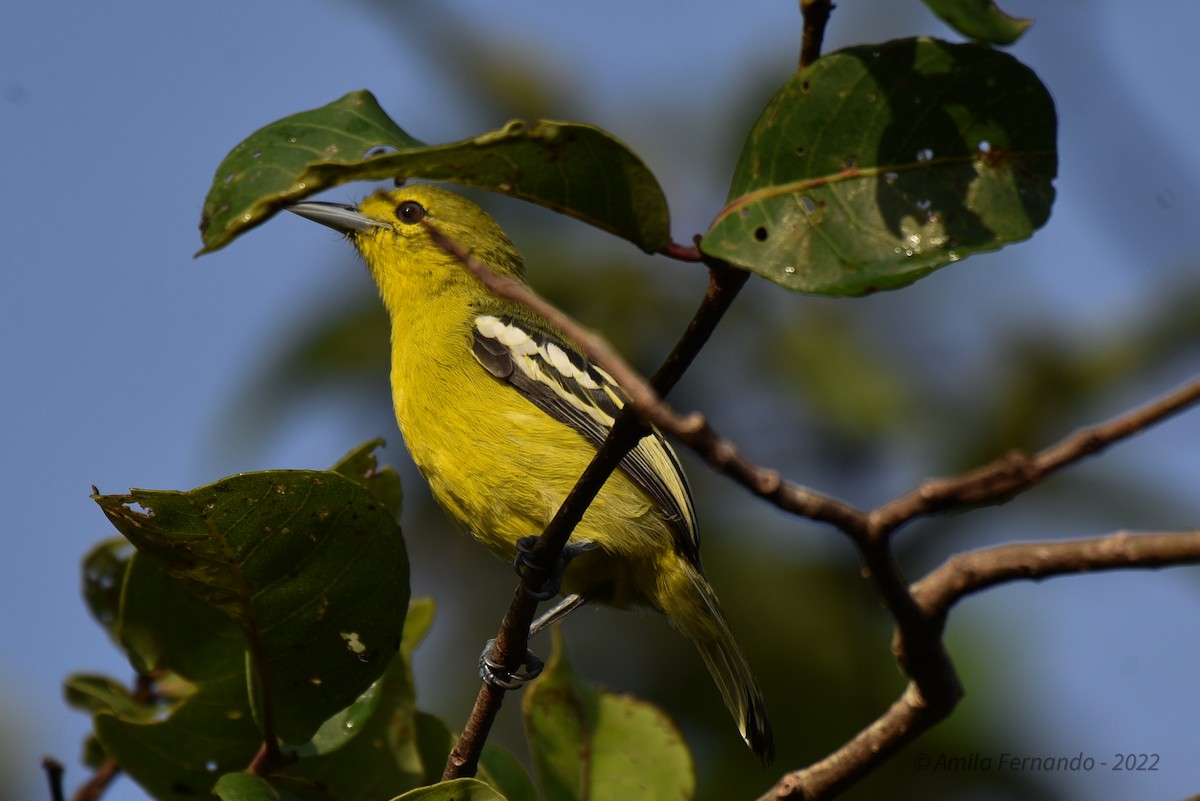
x=557 y=379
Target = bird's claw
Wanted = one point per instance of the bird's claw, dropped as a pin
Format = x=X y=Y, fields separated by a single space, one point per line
x=554 y=583
x=496 y=675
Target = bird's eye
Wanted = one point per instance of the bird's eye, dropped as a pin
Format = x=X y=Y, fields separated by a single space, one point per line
x=410 y=212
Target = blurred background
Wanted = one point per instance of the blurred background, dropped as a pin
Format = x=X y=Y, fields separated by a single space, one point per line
x=127 y=363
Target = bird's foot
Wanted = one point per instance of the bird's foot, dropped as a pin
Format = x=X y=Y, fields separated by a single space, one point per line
x=496 y=675
x=554 y=583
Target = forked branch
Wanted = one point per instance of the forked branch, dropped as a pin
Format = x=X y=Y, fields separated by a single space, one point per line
x=919 y=609
x=912 y=714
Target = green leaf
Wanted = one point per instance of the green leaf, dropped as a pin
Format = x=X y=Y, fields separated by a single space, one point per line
x=505 y=774
x=417 y=624
x=180 y=757
x=311 y=566
x=361 y=465
x=433 y=742
x=876 y=165
x=980 y=19
x=91 y=693
x=374 y=749
x=197 y=720
x=595 y=745
x=570 y=167
x=162 y=627
x=103 y=575
x=244 y=787
x=377 y=758
x=455 y=790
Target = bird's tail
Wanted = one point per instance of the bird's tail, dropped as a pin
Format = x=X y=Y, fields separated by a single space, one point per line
x=705 y=623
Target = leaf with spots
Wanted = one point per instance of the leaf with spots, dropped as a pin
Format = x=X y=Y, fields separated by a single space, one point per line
x=591 y=744
x=570 y=167
x=876 y=165
x=371 y=749
x=309 y=564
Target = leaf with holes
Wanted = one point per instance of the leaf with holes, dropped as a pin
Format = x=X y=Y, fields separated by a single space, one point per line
x=310 y=564
x=876 y=165
x=571 y=167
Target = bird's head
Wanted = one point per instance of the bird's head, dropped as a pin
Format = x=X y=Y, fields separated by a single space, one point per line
x=394 y=232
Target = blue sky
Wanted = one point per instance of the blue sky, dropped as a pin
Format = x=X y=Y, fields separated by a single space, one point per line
x=123 y=354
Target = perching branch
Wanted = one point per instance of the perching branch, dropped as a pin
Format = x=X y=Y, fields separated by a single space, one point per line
x=513 y=640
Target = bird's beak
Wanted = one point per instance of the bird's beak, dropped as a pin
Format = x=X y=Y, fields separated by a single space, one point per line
x=337 y=216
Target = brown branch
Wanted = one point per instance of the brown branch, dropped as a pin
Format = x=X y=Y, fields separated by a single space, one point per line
x=512 y=640
x=920 y=609
x=724 y=456
x=54 y=775
x=967 y=573
x=964 y=574
x=683 y=252
x=816 y=16
x=724 y=283
x=907 y=718
x=94 y=787
x=1016 y=472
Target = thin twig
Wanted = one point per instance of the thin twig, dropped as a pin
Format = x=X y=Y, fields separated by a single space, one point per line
x=54 y=775
x=816 y=17
x=94 y=788
x=967 y=573
x=683 y=252
x=1016 y=472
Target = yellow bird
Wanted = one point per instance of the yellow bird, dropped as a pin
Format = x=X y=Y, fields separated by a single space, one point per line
x=502 y=413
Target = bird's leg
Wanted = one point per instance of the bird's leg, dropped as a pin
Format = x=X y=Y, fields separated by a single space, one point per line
x=557 y=612
x=554 y=582
x=494 y=673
